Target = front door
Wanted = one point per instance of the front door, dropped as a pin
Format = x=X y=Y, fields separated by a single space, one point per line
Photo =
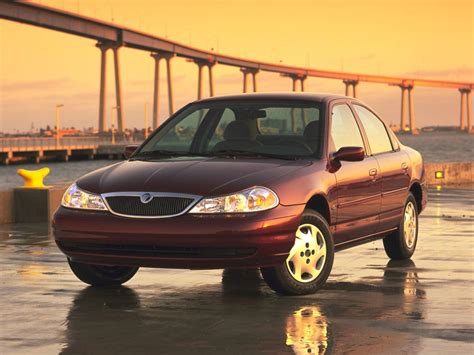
x=358 y=184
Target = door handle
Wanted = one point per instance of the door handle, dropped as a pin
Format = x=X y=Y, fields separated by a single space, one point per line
x=373 y=172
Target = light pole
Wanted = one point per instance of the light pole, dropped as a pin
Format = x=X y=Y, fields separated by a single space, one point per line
x=112 y=122
x=146 y=120
x=57 y=123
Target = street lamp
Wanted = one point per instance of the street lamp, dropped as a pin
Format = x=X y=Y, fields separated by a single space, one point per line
x=112 y=122
x=57 y=123
x=146 y=120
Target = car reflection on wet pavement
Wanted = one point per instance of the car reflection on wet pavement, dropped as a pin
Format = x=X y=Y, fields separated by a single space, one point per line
x=370 y=304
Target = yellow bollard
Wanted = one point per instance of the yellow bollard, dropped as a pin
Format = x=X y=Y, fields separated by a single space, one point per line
x=33 y=178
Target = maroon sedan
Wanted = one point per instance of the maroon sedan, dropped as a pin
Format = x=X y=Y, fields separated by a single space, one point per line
x=275 y=181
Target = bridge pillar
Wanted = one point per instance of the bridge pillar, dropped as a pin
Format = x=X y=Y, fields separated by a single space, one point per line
x=168 y=57
x=465 y=106
x=246 y=72
x=158 y=56
x=295 y=78
x=156 y=89
x=244 y=89
x=462 y=112
x=211 y=80
x=411 y=110
x=302 y=81
x=407 y=90
x=354 y=88
x=118 y=89
x=403 y=115
x=103 y=67
x=351 y=86
x=254 y=80
x=469 y=111
x=201 y=64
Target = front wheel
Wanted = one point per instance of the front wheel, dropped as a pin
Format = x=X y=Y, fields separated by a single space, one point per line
x=309 y=262
x=97 y=275
x=401 y=244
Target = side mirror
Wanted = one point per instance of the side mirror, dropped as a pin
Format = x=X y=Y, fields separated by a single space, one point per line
x=349 y=154
x=129 y=150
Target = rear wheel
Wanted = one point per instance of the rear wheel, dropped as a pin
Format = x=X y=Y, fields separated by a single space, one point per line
x=401 y=244
x=98 y=275
x=309 y=262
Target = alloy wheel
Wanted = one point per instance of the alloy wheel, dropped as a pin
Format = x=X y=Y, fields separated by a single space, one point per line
x=409 y=225
x=308 y=255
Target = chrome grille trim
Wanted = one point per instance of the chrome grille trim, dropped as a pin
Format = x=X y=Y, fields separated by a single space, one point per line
x=195 y=199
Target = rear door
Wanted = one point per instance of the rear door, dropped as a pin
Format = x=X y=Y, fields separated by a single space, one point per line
x=393 y=165
x=358 y=188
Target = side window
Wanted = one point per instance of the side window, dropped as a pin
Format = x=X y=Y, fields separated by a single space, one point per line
x=377 y=135
x=180 y=137
x=344 y=129
x=227 y=117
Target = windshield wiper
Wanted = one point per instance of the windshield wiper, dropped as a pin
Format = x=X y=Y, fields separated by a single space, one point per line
x=226 y=152
x=163 y=153
x=236 y=152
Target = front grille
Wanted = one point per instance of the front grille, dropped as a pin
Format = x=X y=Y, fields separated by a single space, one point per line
x=159 y=206
x=155 y=250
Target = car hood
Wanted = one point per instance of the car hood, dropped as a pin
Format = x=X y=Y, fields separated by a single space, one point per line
x=203 y=176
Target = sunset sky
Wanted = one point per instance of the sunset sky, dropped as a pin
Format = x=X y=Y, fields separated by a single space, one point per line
x=40 y=68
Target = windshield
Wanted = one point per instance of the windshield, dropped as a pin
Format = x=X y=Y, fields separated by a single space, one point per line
x=280 y=129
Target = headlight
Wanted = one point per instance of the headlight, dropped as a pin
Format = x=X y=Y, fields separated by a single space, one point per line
x=74 y=197
x=251 y=200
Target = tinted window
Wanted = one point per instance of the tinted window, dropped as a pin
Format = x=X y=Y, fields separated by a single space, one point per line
x=284 y=128
x=287 y=120
x=377 y=135
x=180 y=136
x=344 y=129
x=227 y=117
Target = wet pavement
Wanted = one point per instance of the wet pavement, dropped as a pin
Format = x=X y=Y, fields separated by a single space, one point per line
x=370 y=304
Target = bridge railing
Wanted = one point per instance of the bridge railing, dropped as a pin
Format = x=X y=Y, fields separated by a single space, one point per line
x=24 y=144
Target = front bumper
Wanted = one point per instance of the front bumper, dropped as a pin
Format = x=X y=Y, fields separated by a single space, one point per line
x=187 y=241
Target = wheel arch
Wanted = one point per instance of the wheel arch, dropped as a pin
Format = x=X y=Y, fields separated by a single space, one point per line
x=417 y=192
x=320 y=204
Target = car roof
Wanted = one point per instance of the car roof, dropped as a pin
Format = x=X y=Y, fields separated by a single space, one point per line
x=297 y=96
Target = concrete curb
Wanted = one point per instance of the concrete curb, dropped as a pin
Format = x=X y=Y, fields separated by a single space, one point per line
x=449 y=174
x=38 y=205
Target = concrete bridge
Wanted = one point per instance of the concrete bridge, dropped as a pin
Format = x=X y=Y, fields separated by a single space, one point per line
x=36 y=149
x=110 y=36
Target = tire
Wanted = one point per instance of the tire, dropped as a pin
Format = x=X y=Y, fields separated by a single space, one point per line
x=97 y=275
x=284 y=278
x=398 y=245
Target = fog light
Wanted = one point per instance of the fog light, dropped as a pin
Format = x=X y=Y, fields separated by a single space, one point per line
x=439 y=174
